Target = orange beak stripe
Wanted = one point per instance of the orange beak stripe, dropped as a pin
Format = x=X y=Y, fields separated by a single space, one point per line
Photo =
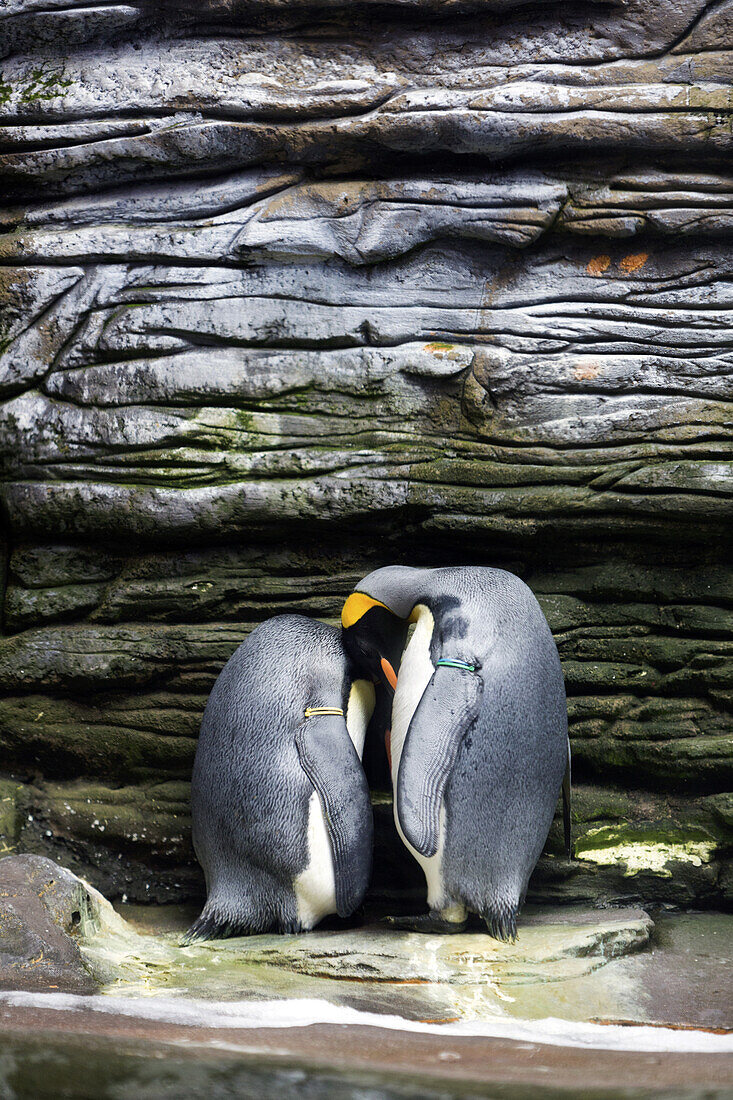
x=389 y=672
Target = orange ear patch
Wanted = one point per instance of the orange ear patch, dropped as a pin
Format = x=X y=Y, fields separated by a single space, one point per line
x=357 y=605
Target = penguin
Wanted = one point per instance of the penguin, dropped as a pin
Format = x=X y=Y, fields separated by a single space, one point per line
x=282 y=820
x=479 y=733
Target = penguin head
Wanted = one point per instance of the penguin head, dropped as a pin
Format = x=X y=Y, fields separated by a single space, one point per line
x=373 y=637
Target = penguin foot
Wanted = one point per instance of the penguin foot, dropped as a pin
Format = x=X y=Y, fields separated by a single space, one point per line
x=431 y=923
x=501 y=922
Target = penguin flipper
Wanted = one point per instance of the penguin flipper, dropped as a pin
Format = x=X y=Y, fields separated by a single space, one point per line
x=329 y=759
x=448 y=707
x=566 y=805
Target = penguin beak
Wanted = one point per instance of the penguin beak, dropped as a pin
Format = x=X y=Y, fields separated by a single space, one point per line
x=389 y=673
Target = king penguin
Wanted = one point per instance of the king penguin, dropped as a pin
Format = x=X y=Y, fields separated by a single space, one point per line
x=479 y=737
x=282 y=821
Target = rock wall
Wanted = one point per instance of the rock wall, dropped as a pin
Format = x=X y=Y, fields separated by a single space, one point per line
x=294 y=290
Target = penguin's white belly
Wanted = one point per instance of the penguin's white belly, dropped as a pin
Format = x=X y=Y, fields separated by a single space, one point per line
x=315 y=887
x=358 y=712
x=415 y=673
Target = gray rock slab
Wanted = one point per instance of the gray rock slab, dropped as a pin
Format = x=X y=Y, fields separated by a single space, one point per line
x=572 y=353
x=61 y=933
x=41 y=905
x=546 y=943
x=377 y=969
x=563 y=964
x=361 y=221
x=234 y=102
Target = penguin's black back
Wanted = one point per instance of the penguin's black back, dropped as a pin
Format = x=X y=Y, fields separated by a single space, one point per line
x=502 y=792
x=249 y=793
x=501 y=795
x=504 y=783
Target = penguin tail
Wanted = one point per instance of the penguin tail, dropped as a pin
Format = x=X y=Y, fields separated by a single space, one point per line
x=501 y=921
x=210 y=925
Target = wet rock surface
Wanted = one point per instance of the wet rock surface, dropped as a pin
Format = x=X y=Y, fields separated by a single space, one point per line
x=549 y=970
x=546 y=943
x=371 y=966
x=60 y=933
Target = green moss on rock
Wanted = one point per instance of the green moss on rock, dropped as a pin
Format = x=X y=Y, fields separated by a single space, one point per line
x=653 y=848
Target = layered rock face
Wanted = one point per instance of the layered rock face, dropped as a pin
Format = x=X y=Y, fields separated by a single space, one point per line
x=294 y=291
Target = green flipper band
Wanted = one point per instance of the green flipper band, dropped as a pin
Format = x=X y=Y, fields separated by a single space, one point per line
x=312 y=712
x=450 y=662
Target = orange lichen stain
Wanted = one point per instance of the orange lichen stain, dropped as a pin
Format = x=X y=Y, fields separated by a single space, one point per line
x=584 y=372
x=442 y=351
x=598 y=265
x=633 y=262
x=673 y=1027
x=440 y=1020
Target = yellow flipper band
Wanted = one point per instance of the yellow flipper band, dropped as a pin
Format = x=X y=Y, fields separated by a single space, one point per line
x=311 y=712
x=357 y=605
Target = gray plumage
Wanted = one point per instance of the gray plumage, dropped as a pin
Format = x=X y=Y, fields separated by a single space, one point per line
x=490 y=746
x=258 y=762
